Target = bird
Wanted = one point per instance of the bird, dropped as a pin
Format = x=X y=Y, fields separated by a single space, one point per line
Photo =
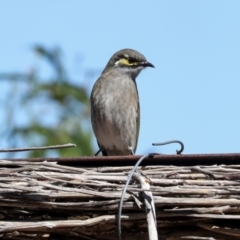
x=115 y=109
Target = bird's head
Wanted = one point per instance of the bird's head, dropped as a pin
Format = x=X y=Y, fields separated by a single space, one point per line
x=128 y=61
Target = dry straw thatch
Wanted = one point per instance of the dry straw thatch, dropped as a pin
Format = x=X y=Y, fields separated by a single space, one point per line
x=45 y=200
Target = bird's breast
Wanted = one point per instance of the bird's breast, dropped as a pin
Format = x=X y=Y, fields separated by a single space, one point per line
x=115 y=110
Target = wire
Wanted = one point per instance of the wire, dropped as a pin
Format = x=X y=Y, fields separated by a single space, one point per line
x=124 y=191
x=131 y=174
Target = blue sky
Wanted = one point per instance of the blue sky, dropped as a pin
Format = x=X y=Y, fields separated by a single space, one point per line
x=192 y=94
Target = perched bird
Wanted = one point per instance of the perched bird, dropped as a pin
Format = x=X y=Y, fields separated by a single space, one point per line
x=115 y=111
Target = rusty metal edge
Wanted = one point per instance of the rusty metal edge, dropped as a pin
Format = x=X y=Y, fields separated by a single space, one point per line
x=178 y=160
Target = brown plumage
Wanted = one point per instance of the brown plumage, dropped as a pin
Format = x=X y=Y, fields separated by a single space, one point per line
x=115 y=111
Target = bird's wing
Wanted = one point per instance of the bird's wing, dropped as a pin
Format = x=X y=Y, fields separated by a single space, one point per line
x=137 y=123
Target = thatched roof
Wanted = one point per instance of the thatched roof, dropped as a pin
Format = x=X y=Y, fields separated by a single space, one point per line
x=195 y=197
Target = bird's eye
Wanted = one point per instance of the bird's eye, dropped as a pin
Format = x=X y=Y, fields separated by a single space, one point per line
x=126 y=61
x=131 y=60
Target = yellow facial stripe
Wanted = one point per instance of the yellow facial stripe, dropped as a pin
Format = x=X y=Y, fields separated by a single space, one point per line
x=125 y=61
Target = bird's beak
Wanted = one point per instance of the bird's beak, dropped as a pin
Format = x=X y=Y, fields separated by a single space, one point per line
x=147 y=64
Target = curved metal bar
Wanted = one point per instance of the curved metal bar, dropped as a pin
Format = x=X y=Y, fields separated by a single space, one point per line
x=170 y=142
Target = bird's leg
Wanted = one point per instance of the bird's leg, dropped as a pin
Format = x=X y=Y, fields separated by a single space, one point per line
x=97 y=152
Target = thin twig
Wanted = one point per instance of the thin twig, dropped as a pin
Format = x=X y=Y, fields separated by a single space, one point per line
x=68 y=145
x=149 y=206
